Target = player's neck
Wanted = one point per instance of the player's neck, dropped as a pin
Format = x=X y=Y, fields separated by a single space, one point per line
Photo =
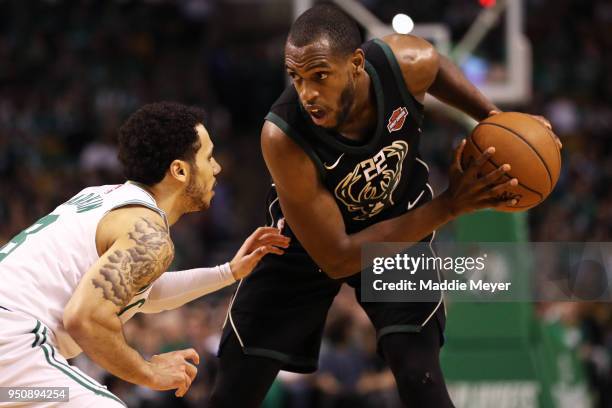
x=361 y=118
x=168 y=202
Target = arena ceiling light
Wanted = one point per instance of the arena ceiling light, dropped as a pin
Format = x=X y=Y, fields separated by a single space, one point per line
x=402 y=23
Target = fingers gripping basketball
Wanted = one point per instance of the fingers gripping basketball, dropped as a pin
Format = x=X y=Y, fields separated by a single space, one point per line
x=528 y=146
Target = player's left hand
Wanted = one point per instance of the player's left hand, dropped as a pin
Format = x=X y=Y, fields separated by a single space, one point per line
x=540 y=119
x=265 y=240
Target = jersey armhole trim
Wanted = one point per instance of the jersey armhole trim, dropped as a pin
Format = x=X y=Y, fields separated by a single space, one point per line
x=297 y=138
x=143 y=204
x=408 y=98
x=124 y=204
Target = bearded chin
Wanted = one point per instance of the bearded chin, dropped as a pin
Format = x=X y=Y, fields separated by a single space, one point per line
x=346 y=100
x=195 y=195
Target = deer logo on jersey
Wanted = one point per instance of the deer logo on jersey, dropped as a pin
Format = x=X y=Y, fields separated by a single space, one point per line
x=368 y=189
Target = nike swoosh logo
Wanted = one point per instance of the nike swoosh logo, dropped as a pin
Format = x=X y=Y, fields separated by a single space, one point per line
x=333 y=165
x=413 y=203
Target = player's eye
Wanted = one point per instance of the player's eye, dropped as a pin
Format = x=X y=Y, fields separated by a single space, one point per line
x=321 y=75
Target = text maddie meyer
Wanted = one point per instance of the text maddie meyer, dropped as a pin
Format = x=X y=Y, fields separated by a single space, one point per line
x=454 y=285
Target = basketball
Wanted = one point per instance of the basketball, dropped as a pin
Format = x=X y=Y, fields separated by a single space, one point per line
x=528 y=146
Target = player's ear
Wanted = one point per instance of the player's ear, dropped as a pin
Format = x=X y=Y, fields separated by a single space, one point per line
x=358 y=60
x=179 y=170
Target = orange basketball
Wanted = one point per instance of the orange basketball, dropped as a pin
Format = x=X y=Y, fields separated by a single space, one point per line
x=524 y=143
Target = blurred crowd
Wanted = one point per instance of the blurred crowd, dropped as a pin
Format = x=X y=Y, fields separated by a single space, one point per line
x=71 y=72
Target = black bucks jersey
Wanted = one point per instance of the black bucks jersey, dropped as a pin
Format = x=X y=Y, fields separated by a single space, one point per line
x=279 y=310
x=371 y=181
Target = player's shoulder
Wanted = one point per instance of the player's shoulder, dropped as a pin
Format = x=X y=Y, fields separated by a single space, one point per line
x=123 y=222
x=290 y=166
x=283 y=141
x=275 y=141
x=286 y=112
x=418 y=60
x=408 y=49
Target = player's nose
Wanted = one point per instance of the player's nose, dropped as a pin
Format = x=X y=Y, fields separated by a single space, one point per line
x=216 y=167
x=308 y=95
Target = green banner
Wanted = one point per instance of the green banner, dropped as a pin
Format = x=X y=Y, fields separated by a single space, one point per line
x=499 y=354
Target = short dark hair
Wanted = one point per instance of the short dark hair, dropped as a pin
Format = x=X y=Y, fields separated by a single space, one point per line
x=329 y=21
x=154 y=136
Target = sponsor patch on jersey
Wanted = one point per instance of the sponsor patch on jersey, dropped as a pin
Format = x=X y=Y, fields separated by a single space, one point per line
x=397 y=119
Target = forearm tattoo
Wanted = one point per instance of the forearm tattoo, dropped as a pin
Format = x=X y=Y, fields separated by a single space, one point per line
x=126 y=271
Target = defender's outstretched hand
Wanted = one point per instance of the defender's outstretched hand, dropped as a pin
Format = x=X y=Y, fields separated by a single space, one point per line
x=265 y=240
x=469 y=189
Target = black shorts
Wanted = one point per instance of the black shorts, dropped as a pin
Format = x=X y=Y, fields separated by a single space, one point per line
x=279 y=311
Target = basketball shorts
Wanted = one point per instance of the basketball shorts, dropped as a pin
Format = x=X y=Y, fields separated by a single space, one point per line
x=28 y=358
x=279 y=311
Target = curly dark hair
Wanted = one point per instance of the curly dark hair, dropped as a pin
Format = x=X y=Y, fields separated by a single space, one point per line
x=154 y=136
x=327 y=20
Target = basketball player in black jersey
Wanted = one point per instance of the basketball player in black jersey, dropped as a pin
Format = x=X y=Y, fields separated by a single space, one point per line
x=342 y=147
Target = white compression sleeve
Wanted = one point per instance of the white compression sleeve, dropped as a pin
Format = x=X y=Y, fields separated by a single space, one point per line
x=174 y=289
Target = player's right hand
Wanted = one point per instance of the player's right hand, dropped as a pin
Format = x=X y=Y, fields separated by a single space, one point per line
x=173 y=371
x=470 y=189
x=265 y=240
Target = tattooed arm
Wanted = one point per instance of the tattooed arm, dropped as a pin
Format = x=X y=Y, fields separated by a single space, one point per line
x=136 y=250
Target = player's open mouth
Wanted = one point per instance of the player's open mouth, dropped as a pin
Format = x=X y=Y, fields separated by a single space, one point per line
x=317 y=114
